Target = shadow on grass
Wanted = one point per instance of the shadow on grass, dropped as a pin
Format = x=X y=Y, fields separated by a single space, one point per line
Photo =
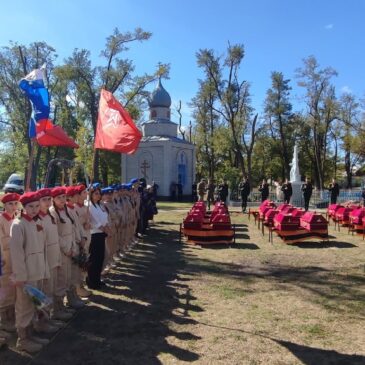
x=313 y=356
x=337 y=291
x=324 y=244
x=306 y=354
x=128 y=322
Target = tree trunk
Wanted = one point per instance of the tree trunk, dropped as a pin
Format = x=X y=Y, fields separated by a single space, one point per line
x=348 y=169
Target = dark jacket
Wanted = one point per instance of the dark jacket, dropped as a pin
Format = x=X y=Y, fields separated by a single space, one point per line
x=307 y=189
x=334 y=189
x=287 y=189
x=223 y=191
x=244 y=188
x=264 y=189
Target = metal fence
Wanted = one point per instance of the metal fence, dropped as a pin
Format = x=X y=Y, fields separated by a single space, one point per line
x=319 y=199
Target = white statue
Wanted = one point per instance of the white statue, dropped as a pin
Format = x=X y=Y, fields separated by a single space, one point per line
x=294 y=171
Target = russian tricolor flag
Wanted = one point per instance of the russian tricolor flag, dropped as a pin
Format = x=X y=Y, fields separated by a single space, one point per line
x=33 y=87
x=40 y=126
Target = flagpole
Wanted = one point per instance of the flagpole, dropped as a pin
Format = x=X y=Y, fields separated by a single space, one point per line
x=30 y=165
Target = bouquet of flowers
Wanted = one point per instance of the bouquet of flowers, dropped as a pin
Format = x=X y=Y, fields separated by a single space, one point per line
x=39 y=299
x=82 y=259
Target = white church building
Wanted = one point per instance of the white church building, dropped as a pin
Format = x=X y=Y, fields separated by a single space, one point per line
x=162 y=156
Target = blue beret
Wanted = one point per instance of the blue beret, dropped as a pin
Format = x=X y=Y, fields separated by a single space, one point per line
x=128 y=186
x=95 y=185
x=106 y=190
x=133 y=181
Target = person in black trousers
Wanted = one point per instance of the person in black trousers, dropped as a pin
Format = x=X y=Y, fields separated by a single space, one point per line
x=287 y=189
x=264 y=190
x=223 y=191
x=334 y=190
x=99 y=231
x=244 y=190
x=307 y=189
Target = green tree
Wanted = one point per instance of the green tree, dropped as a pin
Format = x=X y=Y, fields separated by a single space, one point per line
x=16 y=61
x=352 y=135
x=322 y=108
x=206 y=122
x=278 y=111
x=233 y=101
x=115 y=75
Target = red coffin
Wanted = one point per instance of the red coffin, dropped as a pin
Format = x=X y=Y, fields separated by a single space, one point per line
x=265 y=204
x=357 y=215
x=343 y=214
x=286 y=222
x=283 y=206
x=332 y=209
x=194 y=217
x=269 y=215
x=288 y=210
x=264 y=207
x=312 y=221
x=219 y=211
x=297 y=212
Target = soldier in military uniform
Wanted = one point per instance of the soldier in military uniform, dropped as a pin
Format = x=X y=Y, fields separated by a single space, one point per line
x=287 y=189
x=210 y=190
x=334 y=190
x=244 y=191
x=264 y=190
x=307 y=189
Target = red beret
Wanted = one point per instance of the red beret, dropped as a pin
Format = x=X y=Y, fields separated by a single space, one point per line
x=10 y=197
x=71 y=190
x=58 y=191
x=45 y=192
x=29 y=197
x=80 y=188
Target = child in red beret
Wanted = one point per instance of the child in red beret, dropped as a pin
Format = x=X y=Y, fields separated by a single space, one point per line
x=29 y=266
x=7 y=290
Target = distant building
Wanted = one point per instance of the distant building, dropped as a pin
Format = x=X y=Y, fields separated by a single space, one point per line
x=162 y=156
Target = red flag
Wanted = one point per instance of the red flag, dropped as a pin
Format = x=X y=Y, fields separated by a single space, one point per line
x=51 y=135
x=115 y=130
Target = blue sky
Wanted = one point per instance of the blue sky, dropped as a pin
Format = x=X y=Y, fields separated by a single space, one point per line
x=277 y=35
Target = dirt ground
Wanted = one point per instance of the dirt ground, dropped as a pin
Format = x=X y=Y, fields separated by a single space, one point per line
x=252 y=303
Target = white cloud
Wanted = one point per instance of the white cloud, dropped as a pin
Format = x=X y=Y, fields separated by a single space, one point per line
x=329 y=26
x=346 y=90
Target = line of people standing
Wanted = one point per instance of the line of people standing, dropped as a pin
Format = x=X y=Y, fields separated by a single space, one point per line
x=56 y=240
x=210 y=192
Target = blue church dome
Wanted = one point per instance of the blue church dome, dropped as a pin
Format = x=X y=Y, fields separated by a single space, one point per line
x=160 y=97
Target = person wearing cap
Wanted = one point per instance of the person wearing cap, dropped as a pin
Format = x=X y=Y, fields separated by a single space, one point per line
x=135 y=197
x=130 y=212
x=202 y=188
x=119 y=225
x=54 y=260
x=65 y=230
x=111 y=241
x=7 y=297
x=29 y=266
x=79 y=239
x=82 y=212
x=99 y=231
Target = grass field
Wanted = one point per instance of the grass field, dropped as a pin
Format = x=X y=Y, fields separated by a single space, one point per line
x=252 y=303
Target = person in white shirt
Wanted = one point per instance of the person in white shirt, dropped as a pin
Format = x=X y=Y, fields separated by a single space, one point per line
x=99 y=231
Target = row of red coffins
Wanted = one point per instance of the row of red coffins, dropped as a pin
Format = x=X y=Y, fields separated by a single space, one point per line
x=197 y=216
x=285 y=217
x=349 y=214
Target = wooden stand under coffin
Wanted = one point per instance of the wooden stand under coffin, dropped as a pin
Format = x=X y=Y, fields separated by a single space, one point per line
x=299 y=226
x=301 y=235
